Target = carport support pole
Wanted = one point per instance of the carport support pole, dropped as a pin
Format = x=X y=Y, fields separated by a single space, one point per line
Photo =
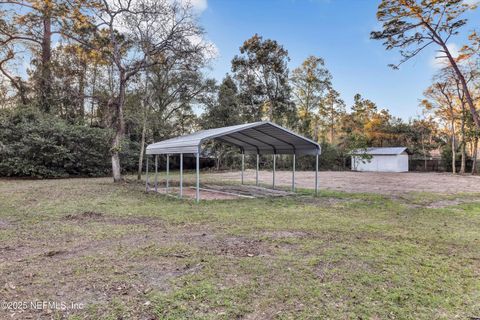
x=256 y=172
x=293 y=173
x=197 y=191
x=243 y=164
x=156 y=172
x=168 y=172
x=273 y=180
x=316 y=175
x=146 y=175
x=181 y=175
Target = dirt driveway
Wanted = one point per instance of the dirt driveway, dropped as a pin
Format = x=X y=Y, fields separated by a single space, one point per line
x=373 y=182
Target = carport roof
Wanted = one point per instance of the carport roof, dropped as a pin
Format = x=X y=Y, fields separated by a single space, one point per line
x=258 y=137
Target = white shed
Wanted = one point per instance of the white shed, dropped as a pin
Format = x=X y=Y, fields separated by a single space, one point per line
x=381 y=159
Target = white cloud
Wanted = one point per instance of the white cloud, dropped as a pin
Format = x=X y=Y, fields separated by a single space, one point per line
x=198 y=5
x=440 y=61
x=471 y=2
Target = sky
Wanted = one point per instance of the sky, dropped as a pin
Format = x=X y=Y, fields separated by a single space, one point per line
x=336 y=30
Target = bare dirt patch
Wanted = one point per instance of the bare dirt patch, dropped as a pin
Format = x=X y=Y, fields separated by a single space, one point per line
x=332 y=271
x=4 y=224
x=84 y=215
x=223 y=192
x=190 y=193
x=449 y=203
x=365 y=182
x=281 y=234
x=241 y=247
x=251 y=191
x=234 y=246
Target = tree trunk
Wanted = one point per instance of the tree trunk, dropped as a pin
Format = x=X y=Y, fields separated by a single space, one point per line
x=22 y=91
x=463 y=148
x=144 y=102
x=81 y=92
x=18 y=84
x=464 y=159
x=424 y=153
x=459 y=74
x=453 y=147
x=142 y=146
x=116 y=169
x=462 y=80
x=94 y=89
x=45 y=74
x=119 y=127
x=474 y=156
x=332 y=133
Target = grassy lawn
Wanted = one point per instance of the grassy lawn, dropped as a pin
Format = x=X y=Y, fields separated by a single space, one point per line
x=125 y=254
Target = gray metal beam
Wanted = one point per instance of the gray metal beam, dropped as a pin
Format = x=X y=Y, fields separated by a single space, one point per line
x=156 y=172
x=146 y=174
x=238 y=139
x=168 y=173
x=316 y=174
x=256 y=171
x=243 y=164
x=181 y=175
x=229 y=143
x=258 y=140
x=276 y=138
x=197 y=191
x=273 y=180
x=293 y=173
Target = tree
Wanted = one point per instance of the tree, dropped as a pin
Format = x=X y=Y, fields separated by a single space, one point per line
x=331 y=112
x=8 y=55
x=262 y=72
x=310 y=82
x=362 y=112
x=169 y=89
x=144 y=101
x=31 y=25
x=135 y=36
x=416 y=24
x=176 y=82
x=440 y=100
x=378 y=128
x=421 y=141
x=446 y=98
x=472 y=49
x=225 y=110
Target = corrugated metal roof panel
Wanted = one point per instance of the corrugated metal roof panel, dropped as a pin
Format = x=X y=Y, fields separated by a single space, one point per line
x=262 y=137
x=380 y=151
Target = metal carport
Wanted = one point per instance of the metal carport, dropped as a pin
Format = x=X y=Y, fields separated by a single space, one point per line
x=253 y=138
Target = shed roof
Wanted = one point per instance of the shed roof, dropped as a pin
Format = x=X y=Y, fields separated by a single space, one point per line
x=258 y=137
x=390 y=151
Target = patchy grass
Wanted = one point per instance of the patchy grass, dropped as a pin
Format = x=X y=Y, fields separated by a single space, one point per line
x=126 y=254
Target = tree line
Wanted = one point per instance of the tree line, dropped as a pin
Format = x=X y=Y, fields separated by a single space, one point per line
x=106 y=78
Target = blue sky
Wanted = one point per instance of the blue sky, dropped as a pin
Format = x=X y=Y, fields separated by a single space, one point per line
x=338 y=31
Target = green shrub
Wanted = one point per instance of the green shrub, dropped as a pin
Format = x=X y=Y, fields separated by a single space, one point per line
x=46 y=147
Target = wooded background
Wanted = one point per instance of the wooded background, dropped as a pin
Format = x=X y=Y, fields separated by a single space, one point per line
x=105 y=78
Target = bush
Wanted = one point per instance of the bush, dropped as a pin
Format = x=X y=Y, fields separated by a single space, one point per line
x=37 y=146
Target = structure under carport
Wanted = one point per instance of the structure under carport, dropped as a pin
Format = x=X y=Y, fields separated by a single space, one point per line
x=252 y=138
